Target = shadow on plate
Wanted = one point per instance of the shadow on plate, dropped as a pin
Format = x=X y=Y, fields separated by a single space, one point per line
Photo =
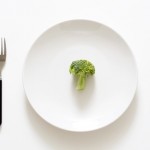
x=105 y=138
x=83 y=98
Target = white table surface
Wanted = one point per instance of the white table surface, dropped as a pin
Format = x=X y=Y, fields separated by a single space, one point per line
x=21 y=22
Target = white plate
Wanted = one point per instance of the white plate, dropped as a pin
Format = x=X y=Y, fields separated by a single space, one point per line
x=50 y=87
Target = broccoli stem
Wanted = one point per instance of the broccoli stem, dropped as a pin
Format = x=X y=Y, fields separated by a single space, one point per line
x=81 y=82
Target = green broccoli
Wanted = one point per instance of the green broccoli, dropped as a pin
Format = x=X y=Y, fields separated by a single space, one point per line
x=81 y=69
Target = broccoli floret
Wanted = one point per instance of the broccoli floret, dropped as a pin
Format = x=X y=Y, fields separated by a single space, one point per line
x=81 y=69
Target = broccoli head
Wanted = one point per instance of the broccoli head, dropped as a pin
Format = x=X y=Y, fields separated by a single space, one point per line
x=81 y=69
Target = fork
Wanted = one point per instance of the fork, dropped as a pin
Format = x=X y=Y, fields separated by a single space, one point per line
x=2 y=62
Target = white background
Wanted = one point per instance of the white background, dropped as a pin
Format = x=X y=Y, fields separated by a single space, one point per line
x=21 y=22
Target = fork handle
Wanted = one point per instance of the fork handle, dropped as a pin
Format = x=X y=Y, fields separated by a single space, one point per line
x=0 y=101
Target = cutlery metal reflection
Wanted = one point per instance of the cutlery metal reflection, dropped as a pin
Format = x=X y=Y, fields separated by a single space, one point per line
x=2 y=62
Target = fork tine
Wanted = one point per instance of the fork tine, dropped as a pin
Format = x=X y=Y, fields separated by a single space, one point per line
x=1 y=46
x=4 y=47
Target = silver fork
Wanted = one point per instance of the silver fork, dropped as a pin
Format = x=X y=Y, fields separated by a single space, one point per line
x=2 y=62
